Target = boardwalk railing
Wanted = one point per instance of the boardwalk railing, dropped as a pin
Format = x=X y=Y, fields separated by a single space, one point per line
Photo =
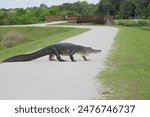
x=81 y=19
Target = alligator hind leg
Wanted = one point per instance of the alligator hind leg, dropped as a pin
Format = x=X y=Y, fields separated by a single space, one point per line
x=58 y=56
x=72 y=59
x=71 y=53
x=60 y=59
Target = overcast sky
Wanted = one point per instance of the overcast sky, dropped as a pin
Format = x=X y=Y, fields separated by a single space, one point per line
x=29 y=3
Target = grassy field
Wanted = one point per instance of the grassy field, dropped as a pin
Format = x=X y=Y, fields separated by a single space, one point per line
x=127 y=74
x=37 y=37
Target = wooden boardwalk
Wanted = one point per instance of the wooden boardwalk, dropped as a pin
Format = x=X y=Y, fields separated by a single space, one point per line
x=81 y=19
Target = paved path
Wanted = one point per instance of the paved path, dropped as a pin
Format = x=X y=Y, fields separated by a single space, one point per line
x=41 y=79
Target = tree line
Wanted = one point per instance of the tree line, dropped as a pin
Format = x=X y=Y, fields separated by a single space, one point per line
x=37 y=14
x=125 y=9
x=118 y=8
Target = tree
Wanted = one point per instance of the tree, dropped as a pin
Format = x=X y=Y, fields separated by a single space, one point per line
x=2 y=16
x=79 y=8
x=104 y=7
x=44 y=6
x=141 y=6
x=128 y=9
x=148 y=11
x=124 y=8
x=53 y=11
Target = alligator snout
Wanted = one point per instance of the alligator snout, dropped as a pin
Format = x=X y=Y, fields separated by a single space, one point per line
x=96 y=51
x=99 y=50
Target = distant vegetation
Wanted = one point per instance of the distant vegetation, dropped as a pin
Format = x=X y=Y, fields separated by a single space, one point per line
x=120 y=9
x=37 y=14
x=133 y=23
x=125 y=9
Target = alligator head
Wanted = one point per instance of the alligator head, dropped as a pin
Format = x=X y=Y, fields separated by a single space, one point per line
x=88 y=50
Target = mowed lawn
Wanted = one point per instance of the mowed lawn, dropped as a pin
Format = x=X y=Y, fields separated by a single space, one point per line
x=127 y=75
x=36 y=37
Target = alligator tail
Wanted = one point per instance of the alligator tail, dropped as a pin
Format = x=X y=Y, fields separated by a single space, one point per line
x=26 y=57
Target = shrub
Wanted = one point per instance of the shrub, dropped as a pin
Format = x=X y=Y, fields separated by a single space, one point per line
x=127 y=23
x=133 y=23
x=12 y=39
x=144 y=22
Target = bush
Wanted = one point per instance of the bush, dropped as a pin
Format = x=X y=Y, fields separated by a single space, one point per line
x=12 y=39
x=127 y=23
x=133 y=23
x=144 y=22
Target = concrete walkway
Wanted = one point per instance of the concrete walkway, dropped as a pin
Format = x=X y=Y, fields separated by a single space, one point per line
x=41 y=79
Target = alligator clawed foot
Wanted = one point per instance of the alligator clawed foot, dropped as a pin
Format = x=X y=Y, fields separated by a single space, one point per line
x=62 y=60
x=52 y=59
x=74 y=61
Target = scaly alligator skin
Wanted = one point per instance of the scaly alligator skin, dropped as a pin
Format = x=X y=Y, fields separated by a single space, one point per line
x=66 y=49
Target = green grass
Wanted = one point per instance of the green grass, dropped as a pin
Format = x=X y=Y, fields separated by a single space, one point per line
x=127 y=74
x=147 y=28
x=37 y=37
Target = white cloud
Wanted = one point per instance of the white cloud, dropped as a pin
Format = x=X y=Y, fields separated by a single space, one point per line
x=29 y=3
